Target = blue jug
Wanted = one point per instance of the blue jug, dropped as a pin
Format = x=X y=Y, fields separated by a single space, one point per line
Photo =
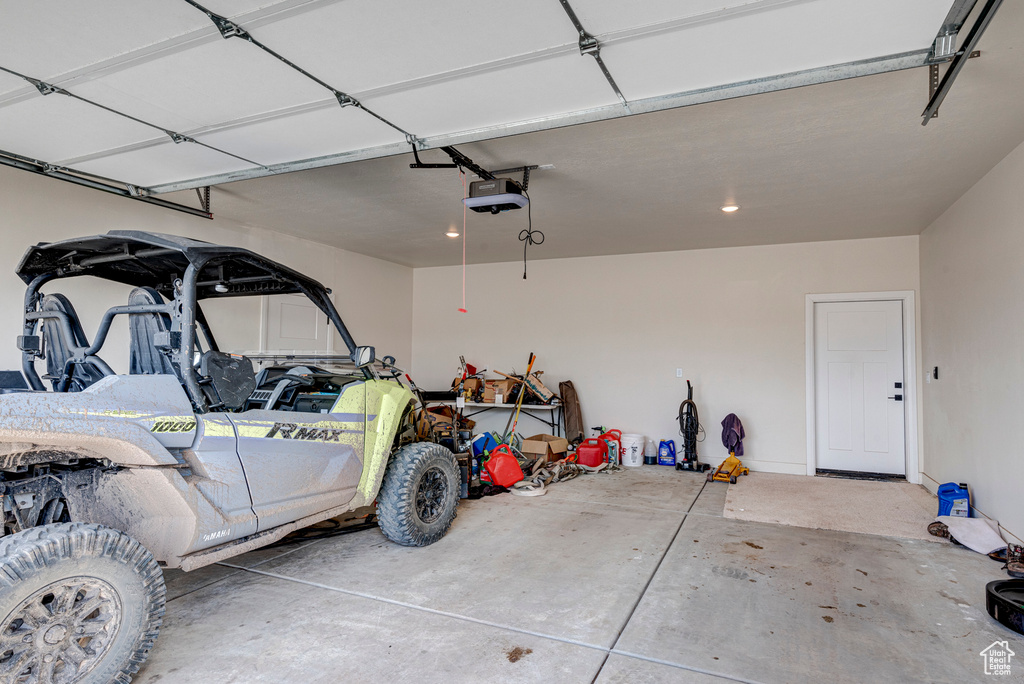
x=954 y=500
x=667 y=452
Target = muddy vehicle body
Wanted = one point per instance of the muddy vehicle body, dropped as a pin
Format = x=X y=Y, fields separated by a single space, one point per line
x=189 y=458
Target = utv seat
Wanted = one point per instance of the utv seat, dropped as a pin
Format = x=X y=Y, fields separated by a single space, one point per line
x=227 y=380
x=59 y=348
x=12 y=382
x=144 y=357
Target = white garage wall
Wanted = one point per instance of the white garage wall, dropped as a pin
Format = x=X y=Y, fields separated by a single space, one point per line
x=972 y=292
x=619 y=326
x=373 y=296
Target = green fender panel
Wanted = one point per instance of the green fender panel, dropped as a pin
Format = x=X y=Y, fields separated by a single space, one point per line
x=386 y=401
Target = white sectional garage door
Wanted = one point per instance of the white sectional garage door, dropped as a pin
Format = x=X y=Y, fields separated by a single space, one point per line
x=434 y=73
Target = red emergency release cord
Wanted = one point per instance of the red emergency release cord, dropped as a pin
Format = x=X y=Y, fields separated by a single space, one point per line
x=462 y=174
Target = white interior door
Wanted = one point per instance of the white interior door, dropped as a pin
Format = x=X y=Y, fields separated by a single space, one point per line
x=292 y=323
x=859 y=387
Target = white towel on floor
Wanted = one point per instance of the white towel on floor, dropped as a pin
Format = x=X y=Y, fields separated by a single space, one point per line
x=977 y=534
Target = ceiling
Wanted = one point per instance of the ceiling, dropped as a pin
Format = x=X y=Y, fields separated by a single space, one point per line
x=840 y=160
x=433 y=72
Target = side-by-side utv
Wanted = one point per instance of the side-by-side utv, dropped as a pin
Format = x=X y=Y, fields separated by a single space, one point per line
x=189 y=458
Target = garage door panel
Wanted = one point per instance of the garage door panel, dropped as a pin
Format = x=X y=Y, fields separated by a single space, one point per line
x=600 y=17
x=554 y=86
x=328 y=130
x=162 y=163
x=54 y=127
x=214 y=83
x=9 y=84
x=45 y=38
x=411 y=39
x=233 y=8
x=751 y=46
x=106 y=94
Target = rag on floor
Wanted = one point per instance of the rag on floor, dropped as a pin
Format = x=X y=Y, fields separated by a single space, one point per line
x=977 y=534
x=732 y=434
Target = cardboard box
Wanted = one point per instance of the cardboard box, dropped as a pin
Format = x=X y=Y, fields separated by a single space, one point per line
x=488 y=397
x=441 y=418
x=471 y=388
x=538 y=388
x=499 y=387
x=438 y=420
x=554 y=448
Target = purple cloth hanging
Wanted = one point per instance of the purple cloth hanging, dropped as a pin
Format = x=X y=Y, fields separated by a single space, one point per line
x=732 y=434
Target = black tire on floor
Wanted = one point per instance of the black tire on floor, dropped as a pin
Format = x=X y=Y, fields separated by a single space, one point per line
x=420 y=492
x=78 y=602
x=732 y=479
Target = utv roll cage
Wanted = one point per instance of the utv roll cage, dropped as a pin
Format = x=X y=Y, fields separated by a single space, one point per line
x=171 y=275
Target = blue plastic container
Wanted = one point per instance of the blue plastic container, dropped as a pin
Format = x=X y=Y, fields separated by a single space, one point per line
x=667 y=453
x=483 y=443
x=954 y=499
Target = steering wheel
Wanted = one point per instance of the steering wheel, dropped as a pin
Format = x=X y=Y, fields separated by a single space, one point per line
x=294 y=377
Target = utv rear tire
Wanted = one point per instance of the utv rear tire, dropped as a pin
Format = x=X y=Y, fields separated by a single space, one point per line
x=417 y=500
x=78 y=602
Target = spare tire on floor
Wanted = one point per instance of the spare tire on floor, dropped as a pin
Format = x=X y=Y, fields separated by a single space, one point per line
x=78 y=603
x=420 y=492
x=1004 y=600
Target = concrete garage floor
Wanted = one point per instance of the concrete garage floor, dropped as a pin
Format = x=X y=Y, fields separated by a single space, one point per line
x=625 y=577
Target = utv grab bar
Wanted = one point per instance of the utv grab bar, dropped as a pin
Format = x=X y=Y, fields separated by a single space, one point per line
x=104 y=327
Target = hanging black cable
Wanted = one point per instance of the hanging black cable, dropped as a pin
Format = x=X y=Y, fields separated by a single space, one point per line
x=48 y=89
x=229 y=29
x=529 y=236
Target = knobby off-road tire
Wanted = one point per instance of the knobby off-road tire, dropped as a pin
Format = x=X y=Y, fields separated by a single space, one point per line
x=420 y=492
x=79 y=603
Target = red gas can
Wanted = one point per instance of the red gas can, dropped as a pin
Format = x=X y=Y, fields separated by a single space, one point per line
x=593 y=452
x=503 y=467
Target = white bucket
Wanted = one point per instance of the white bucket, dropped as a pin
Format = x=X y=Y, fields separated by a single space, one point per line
x=633 y=450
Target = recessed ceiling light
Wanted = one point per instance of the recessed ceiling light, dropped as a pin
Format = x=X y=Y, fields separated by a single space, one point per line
x=452 y=233
x=729 y=208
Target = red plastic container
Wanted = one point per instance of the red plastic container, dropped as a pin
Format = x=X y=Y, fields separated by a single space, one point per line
x=503 y=467
x=593 y=452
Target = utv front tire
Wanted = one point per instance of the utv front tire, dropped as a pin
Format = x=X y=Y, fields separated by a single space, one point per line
x=79 y=603
x=417 y=500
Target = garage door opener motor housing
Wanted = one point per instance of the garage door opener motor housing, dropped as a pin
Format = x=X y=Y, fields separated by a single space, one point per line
x=495 y=195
